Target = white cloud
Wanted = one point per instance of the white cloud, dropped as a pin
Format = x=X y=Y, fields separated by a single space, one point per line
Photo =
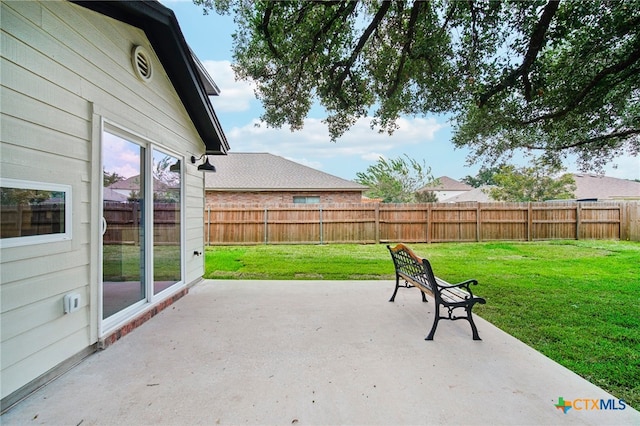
x=234 y=95
x=120 y=156
x=355 y=151
x=374 y=156
x=313 y=140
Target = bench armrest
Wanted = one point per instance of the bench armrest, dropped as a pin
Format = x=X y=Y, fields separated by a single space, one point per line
x=466 y=285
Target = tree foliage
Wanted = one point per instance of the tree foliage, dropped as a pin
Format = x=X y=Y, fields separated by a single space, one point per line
x=537 y=182
x=19 y=196
x=484 y=177
x=561 y=77
x=109 y=178
x=426 y=197
x=395 y=180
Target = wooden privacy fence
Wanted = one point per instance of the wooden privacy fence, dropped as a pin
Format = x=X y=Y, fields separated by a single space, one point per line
x=124 y=219
x=228 y=224
x=18 y=220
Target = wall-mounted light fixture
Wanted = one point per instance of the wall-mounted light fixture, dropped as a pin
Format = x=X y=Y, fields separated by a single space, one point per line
x=175 y=167
x=204 y=167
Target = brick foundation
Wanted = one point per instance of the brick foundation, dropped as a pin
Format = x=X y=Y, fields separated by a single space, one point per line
x=139 y=320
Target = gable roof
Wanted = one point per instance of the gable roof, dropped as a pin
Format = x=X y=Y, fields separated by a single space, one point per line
x=605 y=188
x=133 y=184
x=109 y=194
x=474 y=194
x=445 y=183
x=188 y=76
x=261 y=171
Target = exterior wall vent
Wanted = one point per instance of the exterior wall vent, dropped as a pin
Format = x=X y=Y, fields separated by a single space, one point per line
x=142 y=64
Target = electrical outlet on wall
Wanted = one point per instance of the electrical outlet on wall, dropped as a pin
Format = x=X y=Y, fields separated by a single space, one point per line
x=71 y=302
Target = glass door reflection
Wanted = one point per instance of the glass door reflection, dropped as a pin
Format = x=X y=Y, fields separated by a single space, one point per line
x=123 y=224
x=167 y=196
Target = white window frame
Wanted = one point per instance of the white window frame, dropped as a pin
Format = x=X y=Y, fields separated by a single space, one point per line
x=67 y=235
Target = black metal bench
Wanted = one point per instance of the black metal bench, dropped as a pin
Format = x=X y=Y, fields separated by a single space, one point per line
x=417 y=272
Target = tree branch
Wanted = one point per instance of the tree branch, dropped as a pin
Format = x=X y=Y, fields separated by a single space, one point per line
x=345 y=9
x=384 y=8
x=452 y=11
x=536 y=43
x=602 y=138
x=264 y=27
x=578 y=98
x=415 y=11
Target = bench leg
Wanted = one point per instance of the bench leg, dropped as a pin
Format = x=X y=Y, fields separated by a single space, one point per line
x=396 y=290
x=435 y=322
x=474 y=329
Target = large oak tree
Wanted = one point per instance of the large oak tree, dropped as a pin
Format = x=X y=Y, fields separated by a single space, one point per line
x=559 y=77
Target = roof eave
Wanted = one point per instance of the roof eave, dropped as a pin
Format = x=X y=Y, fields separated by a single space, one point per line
x=161 y=27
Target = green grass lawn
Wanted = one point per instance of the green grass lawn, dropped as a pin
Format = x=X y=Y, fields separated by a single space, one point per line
x=122 y=263
x=577 y=302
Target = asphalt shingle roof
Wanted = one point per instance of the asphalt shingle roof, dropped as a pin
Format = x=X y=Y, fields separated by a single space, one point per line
x=587 y=186
x=261 y=171
x=445 y=183
x=604 y=187
x=475 y=194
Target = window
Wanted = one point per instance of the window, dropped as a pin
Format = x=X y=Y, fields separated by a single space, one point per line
x=34 y=212
x=306 y=200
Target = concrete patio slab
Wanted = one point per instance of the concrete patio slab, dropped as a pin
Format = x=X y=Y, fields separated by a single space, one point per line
x=314 y=352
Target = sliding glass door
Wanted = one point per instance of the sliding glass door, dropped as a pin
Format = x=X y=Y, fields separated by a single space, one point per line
x=167 y=195
x=123 y=224
x=141 y=224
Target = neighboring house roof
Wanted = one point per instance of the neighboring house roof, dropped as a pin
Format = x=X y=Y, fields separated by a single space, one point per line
x=445 y=183
x=475 y=194
x=188 y=76
x=587 y=187
x=605 y=188
x=133 y=184
x=248 y=171
x=109 y=194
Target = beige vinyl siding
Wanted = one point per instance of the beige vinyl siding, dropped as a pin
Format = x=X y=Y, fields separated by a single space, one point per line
x=64 y=68
x=194 y=226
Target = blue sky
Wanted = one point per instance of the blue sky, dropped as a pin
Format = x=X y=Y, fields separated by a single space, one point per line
x=425 y=139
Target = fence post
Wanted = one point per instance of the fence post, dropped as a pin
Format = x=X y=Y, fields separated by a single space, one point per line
x=266 y=226
x=376 y=217
x=209 y=226
x=633 y=221
x=578 y=219
x=624 y=222
x=429 y=222
x=529 y=222
x=478 y=222
x=136 y=224
x=321 y=236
